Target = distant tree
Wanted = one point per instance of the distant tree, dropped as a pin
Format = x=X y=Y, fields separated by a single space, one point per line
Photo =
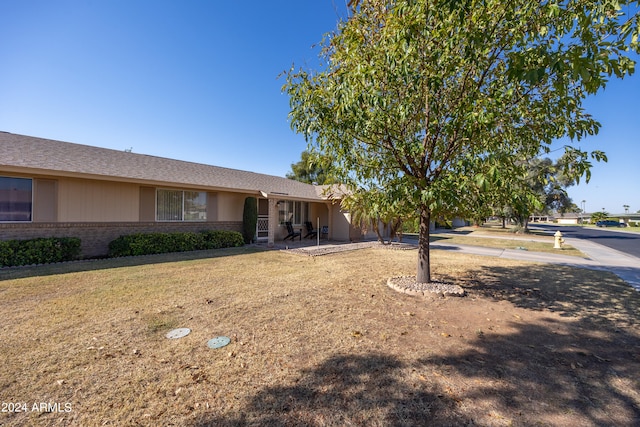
x=311 y=170
x=599 y=216
x=539 y=190
x=431 y=100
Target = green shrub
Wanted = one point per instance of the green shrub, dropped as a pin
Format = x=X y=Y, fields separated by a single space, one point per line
x=6 y=253
x=411 y=225
x=444 y=224
x=159 y=243
x=216 y=239
x=518 y=229
x=39 y=251
x=249 y=219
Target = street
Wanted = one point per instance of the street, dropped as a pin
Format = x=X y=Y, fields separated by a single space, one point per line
x=613 y=238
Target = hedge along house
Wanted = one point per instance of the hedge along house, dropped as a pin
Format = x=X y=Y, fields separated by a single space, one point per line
x=55 y=189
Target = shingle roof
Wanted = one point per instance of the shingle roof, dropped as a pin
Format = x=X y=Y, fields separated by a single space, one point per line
x=46 y=156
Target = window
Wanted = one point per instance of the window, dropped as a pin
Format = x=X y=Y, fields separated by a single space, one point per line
x=293 y=211
x=16 y=200
x=178 y=205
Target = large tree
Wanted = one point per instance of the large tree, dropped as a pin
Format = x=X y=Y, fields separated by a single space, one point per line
x=311 y=169
x=541 y=190
x=599 y=216
x=430 y=99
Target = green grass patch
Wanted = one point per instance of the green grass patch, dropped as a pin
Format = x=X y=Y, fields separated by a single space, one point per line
x=509 y=243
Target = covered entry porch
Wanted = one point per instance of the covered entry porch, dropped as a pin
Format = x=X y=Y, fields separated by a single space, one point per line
x=275 y=210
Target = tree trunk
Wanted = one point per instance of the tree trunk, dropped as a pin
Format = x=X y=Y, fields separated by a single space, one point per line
x=376 y=227
x=424 y=265
x=396 y=230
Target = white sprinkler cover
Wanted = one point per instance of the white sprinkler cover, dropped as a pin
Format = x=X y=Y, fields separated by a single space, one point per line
x=218 y=342
x=178 y=333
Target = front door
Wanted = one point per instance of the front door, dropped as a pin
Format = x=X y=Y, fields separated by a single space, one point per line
x=262 y=229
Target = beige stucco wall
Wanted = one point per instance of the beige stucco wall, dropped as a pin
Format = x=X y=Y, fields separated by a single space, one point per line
x=341 y=224
x=230 y=206
x=88 y=200
x=100 y=201
x=45 y=196
x=319 y=210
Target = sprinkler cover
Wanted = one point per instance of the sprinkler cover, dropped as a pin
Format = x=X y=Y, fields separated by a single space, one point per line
x=218 y=342
x=178 y=333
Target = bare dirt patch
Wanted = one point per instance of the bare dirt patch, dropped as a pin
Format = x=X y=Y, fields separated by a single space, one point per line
x=319 y=341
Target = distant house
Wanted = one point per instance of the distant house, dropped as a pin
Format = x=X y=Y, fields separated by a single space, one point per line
x=51 y=188
x=629 y=219
x=572 y=218
x=566 y=218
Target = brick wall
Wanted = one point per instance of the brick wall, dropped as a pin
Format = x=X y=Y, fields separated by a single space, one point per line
x=95 y=237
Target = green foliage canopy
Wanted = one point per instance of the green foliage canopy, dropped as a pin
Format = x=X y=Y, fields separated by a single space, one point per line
x=546 y=181
x=371 y=208
x=599 y=216
x=433 y=100
x=311 y=170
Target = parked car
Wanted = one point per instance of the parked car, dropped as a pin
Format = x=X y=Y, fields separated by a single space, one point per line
x=610 y=223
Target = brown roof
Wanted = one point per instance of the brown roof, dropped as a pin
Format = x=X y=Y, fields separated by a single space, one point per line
x=20 y=153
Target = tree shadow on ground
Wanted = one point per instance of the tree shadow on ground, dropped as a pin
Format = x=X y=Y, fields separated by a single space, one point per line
x=368 y=390
x=572 y=292
x=548 y=375
x=586 y=364
x=579 y=366
x=535 y=376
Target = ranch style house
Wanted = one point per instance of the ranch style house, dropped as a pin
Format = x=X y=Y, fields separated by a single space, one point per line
x=59 y=189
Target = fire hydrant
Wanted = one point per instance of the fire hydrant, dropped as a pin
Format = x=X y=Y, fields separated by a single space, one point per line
x=558 y=240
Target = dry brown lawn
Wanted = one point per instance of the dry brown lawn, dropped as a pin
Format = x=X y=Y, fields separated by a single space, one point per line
x=317 y=341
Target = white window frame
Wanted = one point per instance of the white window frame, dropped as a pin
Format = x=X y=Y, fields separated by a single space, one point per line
x=293 y=210
x=182 y=215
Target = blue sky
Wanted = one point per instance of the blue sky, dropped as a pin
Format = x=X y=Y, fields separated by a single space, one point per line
x=197 y=81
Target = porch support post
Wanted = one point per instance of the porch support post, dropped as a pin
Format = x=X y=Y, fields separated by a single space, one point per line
x=273 y=223
x=330 y=221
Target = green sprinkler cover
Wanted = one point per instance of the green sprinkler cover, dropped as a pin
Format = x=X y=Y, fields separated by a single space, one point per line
x=218 y=342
